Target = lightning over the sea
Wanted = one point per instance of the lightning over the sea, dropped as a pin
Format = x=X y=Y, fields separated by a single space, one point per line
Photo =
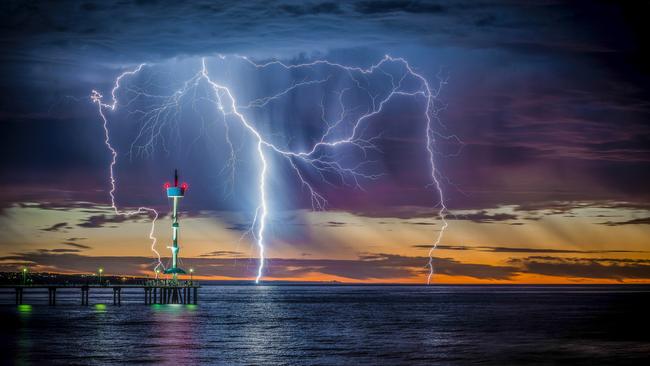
x=96 y=98
x=346 y=129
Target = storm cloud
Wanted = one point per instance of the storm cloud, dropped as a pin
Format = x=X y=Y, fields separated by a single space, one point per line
x=518 y=125
x=543 y=110
x=56 y=227
x=97 y=221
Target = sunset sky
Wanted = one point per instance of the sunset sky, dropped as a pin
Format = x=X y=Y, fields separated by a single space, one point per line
x=546 y=183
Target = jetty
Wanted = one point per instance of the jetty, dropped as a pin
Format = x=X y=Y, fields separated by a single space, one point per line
x=154 y=292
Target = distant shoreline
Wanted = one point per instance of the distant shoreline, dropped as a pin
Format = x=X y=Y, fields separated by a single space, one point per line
x=15 y=278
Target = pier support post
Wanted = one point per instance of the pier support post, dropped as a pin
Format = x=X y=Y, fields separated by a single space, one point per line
x=117 y=296
x=84 y=295
x=19 y=295
x=196 y=292
x=51 y=291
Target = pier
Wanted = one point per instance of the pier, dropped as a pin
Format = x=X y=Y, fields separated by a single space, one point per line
x=155 y=292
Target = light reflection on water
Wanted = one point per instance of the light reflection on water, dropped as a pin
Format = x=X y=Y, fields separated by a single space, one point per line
x=24 y=309
x=338 y=325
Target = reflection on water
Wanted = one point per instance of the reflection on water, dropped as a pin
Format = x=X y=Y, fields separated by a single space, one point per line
x=173 y=308
x=24 y=309
x=23 y=340
x=339 y=325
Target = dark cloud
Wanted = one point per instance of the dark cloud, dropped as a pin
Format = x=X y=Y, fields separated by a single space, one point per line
x=75 y=239
x=398 y=212
x=56 y=227
x=201 y=27
x=312 y=9
x=63 y=206
x=415 y=212
x=222 y=253
x=445 y=266
x=97 y=221
x=484 y=217
x=495 y=249
x=366 y=267
x=77 y=245
x=423 y=223
x=335 y=224
x=392 y=6
x=57 y=251
x=239 y=227
x=530 y=211
x=565 y=207
x=639 y=221
x=598 y=268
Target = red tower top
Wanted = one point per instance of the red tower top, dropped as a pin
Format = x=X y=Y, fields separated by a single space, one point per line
x=175 y=190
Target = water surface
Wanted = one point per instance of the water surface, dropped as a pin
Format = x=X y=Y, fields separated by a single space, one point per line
x=331 y=324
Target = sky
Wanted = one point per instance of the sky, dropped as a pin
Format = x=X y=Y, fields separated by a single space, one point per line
x=542 y=143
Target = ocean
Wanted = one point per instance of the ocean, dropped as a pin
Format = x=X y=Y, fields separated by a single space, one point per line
x=336 y=325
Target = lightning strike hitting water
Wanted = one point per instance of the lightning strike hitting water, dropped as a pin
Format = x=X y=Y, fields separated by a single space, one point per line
x=320 y=157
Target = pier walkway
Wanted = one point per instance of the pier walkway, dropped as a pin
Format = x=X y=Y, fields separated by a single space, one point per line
x=155 y=292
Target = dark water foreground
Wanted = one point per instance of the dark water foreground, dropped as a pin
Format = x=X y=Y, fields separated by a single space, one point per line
x=329 y=325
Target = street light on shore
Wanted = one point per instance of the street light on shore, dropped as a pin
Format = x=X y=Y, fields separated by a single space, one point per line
x=100 y=275
x=24 y=275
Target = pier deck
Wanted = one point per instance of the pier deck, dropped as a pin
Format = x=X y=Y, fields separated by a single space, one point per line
x=154 y=293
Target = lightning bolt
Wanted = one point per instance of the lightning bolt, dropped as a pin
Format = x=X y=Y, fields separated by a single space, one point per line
x=96 y=97
x=320 y=157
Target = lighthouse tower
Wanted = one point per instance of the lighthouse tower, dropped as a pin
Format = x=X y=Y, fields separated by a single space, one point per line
x=175 y=192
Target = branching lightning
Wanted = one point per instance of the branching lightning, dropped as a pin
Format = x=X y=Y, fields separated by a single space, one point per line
x=96 y=98
x=320 y=158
